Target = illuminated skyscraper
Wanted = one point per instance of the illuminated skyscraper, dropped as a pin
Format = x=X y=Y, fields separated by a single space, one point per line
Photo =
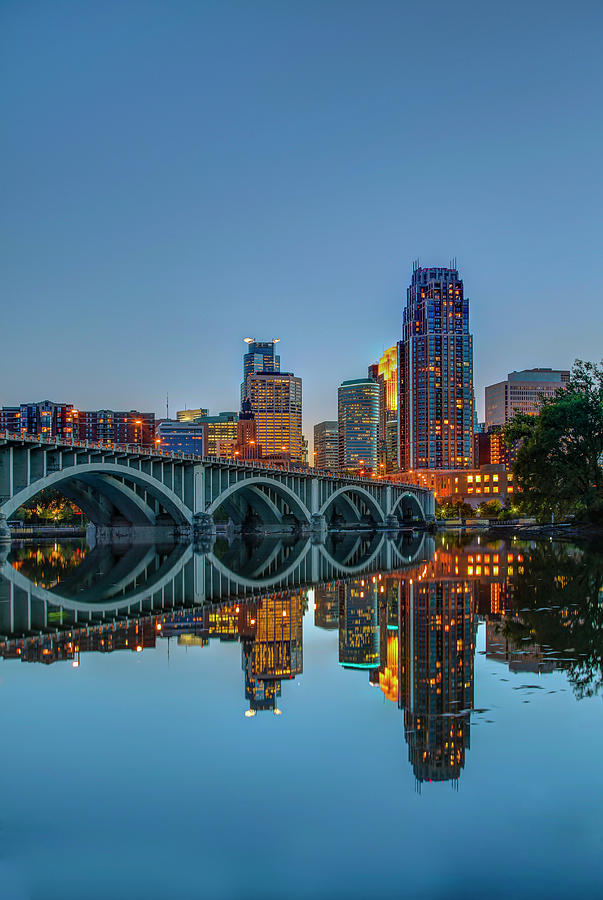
x=385 y=373
x=436 y=398
x=260 y=357
x=358 y=418
x=276 y=401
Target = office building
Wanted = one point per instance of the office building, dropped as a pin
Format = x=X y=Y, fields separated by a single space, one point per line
x=276 y=401
x=435 y=397
x=247 y=446
x=326 y=446
x=220 y=434
x=521 y=392
x=358 y=423
x=180 y=437
x=261 y=356
x=472 y=486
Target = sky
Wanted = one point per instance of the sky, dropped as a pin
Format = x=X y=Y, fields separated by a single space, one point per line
x=178 y=176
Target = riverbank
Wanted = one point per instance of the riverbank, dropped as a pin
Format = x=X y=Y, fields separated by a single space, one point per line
x=46 y=531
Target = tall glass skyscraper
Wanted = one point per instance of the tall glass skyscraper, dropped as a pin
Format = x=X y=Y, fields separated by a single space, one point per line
x=436 y=398
x=261 y=356
x=358 y=417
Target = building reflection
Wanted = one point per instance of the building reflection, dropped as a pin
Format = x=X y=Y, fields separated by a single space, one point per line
x=412 y=630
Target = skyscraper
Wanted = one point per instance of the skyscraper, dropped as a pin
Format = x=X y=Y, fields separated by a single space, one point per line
x=436 y=398
x=260 y=357
x=358 y=419
x=326 y=446
x=385 y=373
x=276 y=401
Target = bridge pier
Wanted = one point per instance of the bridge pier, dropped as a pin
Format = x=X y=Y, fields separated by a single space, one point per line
x=5 y=537
x=318 y=528
x=203 y=525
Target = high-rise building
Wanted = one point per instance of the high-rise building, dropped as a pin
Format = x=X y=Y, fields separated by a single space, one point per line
x=358 y=422
x=436 y=398
x=261 y=356
x=385 y=373
x=521 y=392
x=326 y=446
x=276 y=401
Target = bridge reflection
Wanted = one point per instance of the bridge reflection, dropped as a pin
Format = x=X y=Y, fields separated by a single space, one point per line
x=406 y=612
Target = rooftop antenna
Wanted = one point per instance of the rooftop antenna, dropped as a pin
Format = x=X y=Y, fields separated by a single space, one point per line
x=167 y=406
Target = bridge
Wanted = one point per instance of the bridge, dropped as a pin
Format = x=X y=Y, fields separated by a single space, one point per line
x=125 y=488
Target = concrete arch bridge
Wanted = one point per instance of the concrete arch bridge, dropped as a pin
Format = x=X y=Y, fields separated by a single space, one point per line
x=122 y=488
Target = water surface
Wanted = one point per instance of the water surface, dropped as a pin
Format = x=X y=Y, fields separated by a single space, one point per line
x=417 y=718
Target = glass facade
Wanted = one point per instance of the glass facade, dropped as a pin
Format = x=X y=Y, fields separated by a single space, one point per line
x=358 y=419
x=436 y=397
x=260 y=357
x=180 y=437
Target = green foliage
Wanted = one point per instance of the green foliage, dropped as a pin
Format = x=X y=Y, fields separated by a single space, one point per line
x=49 y=507
x=558 y=605
x=489 y=509
x=458 y=510
x=559 y=452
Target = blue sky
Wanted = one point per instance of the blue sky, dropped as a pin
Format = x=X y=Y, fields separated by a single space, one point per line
x=179 y=176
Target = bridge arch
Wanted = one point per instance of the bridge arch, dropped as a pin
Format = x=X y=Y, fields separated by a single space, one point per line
x=345 y=568
x=163 y=577
x=407 y=507
x=347 y=494
x=250 y=487
x=86 y=472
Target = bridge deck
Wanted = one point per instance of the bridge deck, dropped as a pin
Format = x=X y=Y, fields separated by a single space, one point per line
x=135 y=451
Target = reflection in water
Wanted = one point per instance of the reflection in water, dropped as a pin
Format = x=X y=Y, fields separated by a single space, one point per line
x=412 y=628
x=48 y=564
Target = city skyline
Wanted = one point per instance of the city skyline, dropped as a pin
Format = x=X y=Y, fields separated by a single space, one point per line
x=287 y=196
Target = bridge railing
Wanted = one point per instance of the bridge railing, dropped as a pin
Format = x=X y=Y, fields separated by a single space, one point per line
x=157 y=453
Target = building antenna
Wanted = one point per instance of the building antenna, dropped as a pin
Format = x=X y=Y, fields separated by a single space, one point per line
x=167 y=406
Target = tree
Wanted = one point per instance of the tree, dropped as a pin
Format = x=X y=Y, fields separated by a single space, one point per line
x=559 y=452
x=489 y=509
x=50 y=505
x=557 y=598
x=450 y=510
